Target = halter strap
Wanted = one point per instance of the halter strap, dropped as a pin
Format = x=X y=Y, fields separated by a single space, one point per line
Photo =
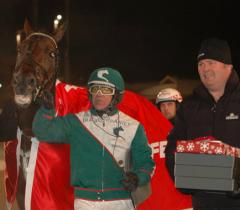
x=44 y=35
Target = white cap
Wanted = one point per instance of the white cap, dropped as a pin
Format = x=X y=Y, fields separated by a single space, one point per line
x=169 y=94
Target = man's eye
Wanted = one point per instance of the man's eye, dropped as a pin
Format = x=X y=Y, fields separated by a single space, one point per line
x=94 y=89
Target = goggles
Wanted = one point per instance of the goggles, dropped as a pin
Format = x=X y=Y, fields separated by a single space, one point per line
x=104 y=90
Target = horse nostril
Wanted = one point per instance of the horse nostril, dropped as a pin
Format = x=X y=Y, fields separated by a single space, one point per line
x=32 y=82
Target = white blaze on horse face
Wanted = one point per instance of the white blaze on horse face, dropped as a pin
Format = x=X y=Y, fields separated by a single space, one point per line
x=23 y=100
x=23 y=88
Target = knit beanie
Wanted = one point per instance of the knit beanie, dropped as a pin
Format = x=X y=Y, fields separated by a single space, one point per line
x=215 y=49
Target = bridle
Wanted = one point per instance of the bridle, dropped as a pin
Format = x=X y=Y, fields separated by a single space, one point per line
x=54 y=54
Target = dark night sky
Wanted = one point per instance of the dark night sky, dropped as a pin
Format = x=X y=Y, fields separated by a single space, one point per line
x=145 y=40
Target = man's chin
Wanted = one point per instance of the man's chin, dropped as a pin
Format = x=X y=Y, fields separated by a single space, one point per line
x=169 y=117
x=99 y=107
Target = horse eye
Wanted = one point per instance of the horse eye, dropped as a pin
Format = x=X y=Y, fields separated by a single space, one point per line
x=52 y=54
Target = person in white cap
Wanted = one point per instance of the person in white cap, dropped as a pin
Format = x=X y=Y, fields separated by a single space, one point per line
x=167 y=102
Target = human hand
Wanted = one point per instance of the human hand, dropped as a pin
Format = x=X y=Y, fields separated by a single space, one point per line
x=130 y=182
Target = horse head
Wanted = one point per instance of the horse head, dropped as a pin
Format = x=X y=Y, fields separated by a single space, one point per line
x=36 y=65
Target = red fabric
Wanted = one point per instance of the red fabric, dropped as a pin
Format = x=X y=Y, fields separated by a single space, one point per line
x=10 y=173
x=164 y=195
x=71 y=99
x=51 y=187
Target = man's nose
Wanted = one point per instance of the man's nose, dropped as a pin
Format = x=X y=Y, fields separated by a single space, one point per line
x=99 y=93
x=166 y=108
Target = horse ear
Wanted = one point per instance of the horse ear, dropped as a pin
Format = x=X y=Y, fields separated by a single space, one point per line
x=27 y=27
x=59 y=32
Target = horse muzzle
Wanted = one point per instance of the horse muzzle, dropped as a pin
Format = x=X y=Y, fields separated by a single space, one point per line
x=23 y=100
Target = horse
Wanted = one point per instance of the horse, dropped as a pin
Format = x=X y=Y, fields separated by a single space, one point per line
x=33 y=81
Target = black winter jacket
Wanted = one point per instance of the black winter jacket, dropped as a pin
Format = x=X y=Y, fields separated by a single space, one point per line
x=198 y=116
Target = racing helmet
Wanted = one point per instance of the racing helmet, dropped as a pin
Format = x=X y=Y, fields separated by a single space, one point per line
x=169 y=94
x=107 y=76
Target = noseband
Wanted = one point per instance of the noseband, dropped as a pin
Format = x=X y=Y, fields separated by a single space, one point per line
x=34 y=63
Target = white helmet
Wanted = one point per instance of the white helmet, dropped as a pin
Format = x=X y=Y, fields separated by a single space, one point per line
x=169 y=94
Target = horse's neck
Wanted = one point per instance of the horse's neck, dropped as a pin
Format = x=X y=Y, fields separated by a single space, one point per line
x=25 y=119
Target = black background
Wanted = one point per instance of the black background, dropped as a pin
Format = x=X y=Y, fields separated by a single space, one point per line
x=145 y=40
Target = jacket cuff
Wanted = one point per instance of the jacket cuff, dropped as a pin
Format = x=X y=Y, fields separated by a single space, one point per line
x=144 y=176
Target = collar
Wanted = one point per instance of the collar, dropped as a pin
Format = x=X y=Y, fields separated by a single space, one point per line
x=101 y=113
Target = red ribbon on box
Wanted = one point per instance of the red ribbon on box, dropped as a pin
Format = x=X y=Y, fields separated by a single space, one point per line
x=207 y=145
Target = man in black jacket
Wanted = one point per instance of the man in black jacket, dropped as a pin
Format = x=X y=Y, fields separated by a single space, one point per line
x=212 y=110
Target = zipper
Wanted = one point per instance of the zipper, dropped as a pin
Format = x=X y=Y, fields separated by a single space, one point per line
x=214 y=109
x=103 y=154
